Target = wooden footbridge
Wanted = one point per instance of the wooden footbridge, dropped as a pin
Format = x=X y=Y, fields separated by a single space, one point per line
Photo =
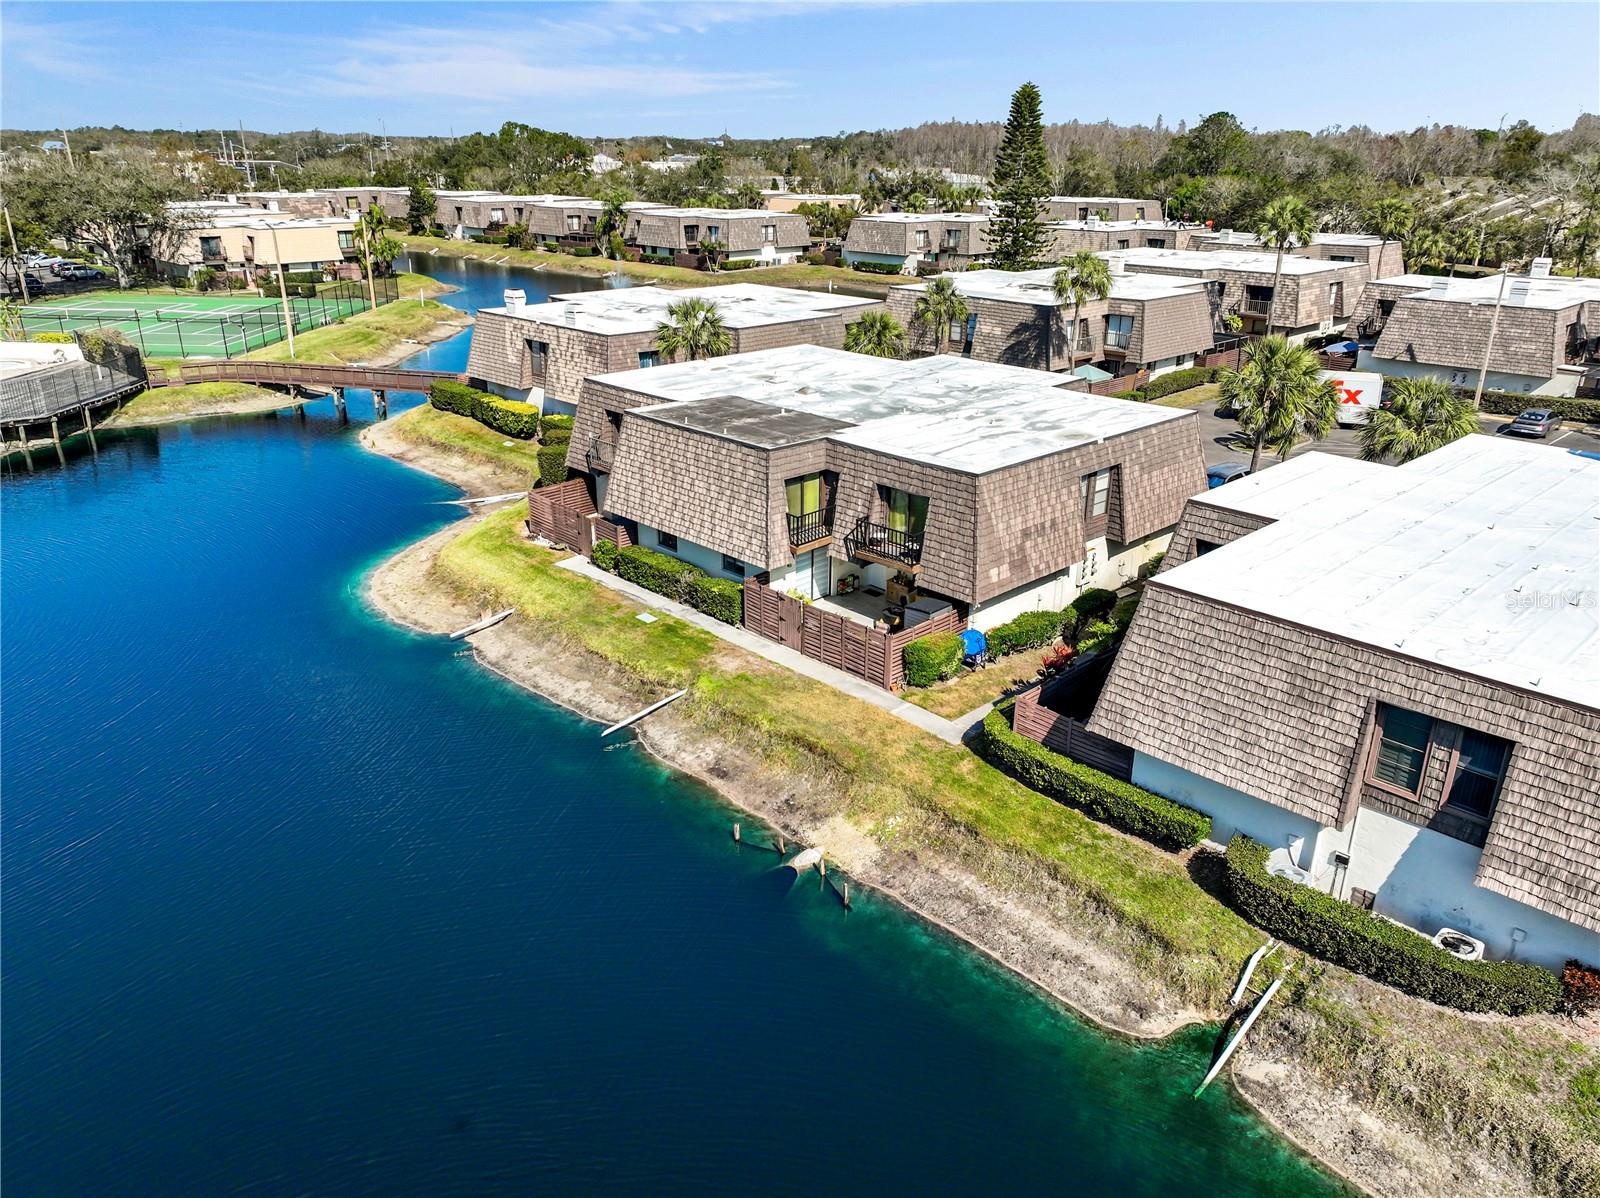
x=298 y=376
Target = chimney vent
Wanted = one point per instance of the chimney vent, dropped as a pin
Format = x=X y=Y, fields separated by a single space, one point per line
x=1540 y=269
x=1119 y=264
x=1439 y=287
x=515 y=299
x=1517 y=293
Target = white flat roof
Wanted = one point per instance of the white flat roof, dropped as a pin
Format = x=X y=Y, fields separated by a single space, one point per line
x=952 y=412
x=1034 y=286
x=1235 y=260
x=1483 y=557
x=914 y=218
x=710 y=213
x=1098 y=200
x=1117 y=224
x=1553 y=293
x=1245 y=237
x=641 y=309
x=1286 y=488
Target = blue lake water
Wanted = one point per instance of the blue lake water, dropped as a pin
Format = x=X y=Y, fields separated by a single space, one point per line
x=297 y=902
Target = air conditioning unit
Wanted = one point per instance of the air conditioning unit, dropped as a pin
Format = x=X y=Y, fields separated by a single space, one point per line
x=1458 y=944
x=1293 y=873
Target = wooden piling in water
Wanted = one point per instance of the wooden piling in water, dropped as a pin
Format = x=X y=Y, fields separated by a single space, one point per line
x=88 y=427
x=735 y=833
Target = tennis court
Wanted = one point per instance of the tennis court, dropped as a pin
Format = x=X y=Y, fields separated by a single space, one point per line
x=175 y=325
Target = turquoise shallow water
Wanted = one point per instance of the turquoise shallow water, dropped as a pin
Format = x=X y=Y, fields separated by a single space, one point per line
x=297 y=902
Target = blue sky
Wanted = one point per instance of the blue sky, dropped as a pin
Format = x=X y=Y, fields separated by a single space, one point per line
x=777 y=68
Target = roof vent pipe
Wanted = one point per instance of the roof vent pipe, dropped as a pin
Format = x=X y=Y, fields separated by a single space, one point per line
x=1540 y=268
x=1119 y=264
x=1517 y=293
x=515 y=298
x=1438 y=287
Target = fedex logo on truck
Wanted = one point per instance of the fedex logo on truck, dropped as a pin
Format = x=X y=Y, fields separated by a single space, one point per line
x=1359 y=393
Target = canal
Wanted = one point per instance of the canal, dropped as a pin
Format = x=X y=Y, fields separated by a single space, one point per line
x=297 y=902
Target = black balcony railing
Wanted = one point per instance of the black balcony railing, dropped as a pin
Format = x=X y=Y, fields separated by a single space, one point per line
x=601 y=453
x=810 y=527
x=893 y=545
x=1256 y=307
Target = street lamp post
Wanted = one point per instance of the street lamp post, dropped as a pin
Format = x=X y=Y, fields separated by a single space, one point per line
x=283 y=288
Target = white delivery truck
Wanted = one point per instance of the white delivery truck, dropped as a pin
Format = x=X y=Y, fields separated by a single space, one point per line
x=1359 y=393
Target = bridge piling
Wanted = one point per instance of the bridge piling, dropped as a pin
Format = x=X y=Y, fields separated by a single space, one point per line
x=88 y=427
x=380 y=403
x=55 y=435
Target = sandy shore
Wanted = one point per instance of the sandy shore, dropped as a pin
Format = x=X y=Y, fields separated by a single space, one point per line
x=999 y=905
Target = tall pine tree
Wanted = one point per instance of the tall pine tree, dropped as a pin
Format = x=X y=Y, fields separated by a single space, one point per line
x=1017 y=239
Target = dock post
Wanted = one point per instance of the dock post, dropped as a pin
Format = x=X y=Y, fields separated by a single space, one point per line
x=55 y=435
x=27 y=452
x=735 y=833
x=88 y=427
x=846 y=896
x=781 y=846
x=380 y=403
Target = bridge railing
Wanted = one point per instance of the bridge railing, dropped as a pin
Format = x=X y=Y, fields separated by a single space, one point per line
x=287 y=374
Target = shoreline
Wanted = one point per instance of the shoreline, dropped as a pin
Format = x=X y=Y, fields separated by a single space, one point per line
x=963 y=892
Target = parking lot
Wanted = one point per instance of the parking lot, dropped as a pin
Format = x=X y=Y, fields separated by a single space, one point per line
x=1217 y=435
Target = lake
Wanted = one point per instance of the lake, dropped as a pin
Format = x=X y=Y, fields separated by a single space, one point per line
x=297 y=902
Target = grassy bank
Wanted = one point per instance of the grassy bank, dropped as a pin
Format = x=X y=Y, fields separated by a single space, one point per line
x=162 y=405
x=367 y=335
x=429 y=431
x=801 y=275
x=1517 y=1094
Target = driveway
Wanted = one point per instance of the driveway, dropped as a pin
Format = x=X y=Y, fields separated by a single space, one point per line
x=1217 y=433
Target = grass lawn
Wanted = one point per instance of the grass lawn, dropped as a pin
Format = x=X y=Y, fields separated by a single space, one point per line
x=1192 y=398
x=895 y=782
x=361 y=336
x=973 y=688
x=167 y=403
x=800 y=275
x=429 y=428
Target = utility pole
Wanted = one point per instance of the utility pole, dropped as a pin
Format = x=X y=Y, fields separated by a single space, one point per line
x=283 y=288
x=366 y=249
x=249 y=167
x=1488 y=346
x=67 y=142
x=16 y=256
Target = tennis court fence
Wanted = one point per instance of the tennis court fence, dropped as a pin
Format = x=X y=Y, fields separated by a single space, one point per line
x=189 y=325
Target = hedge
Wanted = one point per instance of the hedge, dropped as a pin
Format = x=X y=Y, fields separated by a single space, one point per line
x=509 y=416
x=877 y=268
x=1386 y=952
x=52 y=338
x=552 y=464
x=737 y=264
x=1111 y=800
x=1509 y=403
x=1030 y=630
x=555 y=430
x=932 y=658
x=1095 y=601
x=720 y=598
x=604 y=555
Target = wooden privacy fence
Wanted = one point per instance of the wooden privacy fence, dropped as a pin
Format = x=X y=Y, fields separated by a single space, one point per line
x=835 y=640
x=1069 y=737
x=560 y=514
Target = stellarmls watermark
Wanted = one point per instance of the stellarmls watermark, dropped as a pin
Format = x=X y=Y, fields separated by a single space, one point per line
x=1531 y=600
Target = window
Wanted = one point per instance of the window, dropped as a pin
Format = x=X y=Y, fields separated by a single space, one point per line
x=952 y=238
x=732 y=565
x=713 y=231
x=1341 y=258
x=1203 y=546
x=1122 y=243
x=517 y=213
x=538 y=359
x=352 y=202
x=667 y=541
x=1480 y=764
x=1085 y=341
x=691 y=234
x=906 y=513
x=211 y=247
x=1138 y=214
x=1119 y=331
x=1402 y=748
x=458 y=214
x=497 y=216
x=1095 y=491
x=922 y=239
x=769 y=234
x=1336 y=298
x=347 y=240
x=1083 y=213
x=574 y=223
x=649 y=357
x=1156 y=243
x=804 y=494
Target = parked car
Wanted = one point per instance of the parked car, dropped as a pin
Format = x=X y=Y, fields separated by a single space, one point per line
x=77 y=270
x=44 y=261
x=1535 y=422
x=1224 y=472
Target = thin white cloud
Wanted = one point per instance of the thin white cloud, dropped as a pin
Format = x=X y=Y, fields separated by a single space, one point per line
x=58 y=49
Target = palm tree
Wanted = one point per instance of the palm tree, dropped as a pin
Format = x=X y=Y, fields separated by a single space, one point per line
x=1286 y=222
x=1390 y=219
x=1084 y=276
x=937 y=308
x=693 y=329
x=877 y=334
x=1422 y=415
x=709 y=247
x=1428 y=247
x=613 y=217
x=1278 y=396
x=1466 y=241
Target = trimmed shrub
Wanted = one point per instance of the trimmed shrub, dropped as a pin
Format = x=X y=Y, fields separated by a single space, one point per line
x=552 y=464
x=1178 y=380
x=509 y=416
x=932 y=658
x=555 y=430
x=1030 y=630
x=1386 y=952
x=450 y=396
x=1509 y=403
x=1151 y=566
x=876 y=268
x=1580 y=989
x=585 y=251
x=1133 y=395
x=1097 y=635
x=52 y=338
x=720 y=598
x=605 y=555
x=738 y=264
x=1096 y=601
x=1111 y=800
x=658 y=572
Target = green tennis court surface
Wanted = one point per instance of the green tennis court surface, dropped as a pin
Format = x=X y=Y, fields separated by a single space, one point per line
x=188 y=326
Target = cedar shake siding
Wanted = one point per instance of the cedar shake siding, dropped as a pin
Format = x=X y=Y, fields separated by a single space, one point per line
x=1166 y=327
x=1300 y=301
x=1106 y=208
x=740 y=230
x=1283 y=713
x=1202 y=522
x=1012 y=334
x=1067 y=238
x=1446 y=333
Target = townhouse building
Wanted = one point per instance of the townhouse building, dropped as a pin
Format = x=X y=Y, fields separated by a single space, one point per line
x=1150 y=323
x=777 y=200
x=745 y=234
x=1541 y=333
x=575 y=220
x=976 y=489
x=913 y=241
x=1391 y=677
x=1106 y=208
x=1381 y=256
x=243 y=240
x=1311 y=296
x=1067 y=237
x=540 y=353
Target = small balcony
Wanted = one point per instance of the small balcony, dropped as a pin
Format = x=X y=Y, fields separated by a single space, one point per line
x=601 y=453
x=810 y=529
x=214 y=253
x=887 y=546
x=1256 y=307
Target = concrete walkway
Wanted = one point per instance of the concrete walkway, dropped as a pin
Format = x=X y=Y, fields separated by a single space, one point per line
x=946 y=730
